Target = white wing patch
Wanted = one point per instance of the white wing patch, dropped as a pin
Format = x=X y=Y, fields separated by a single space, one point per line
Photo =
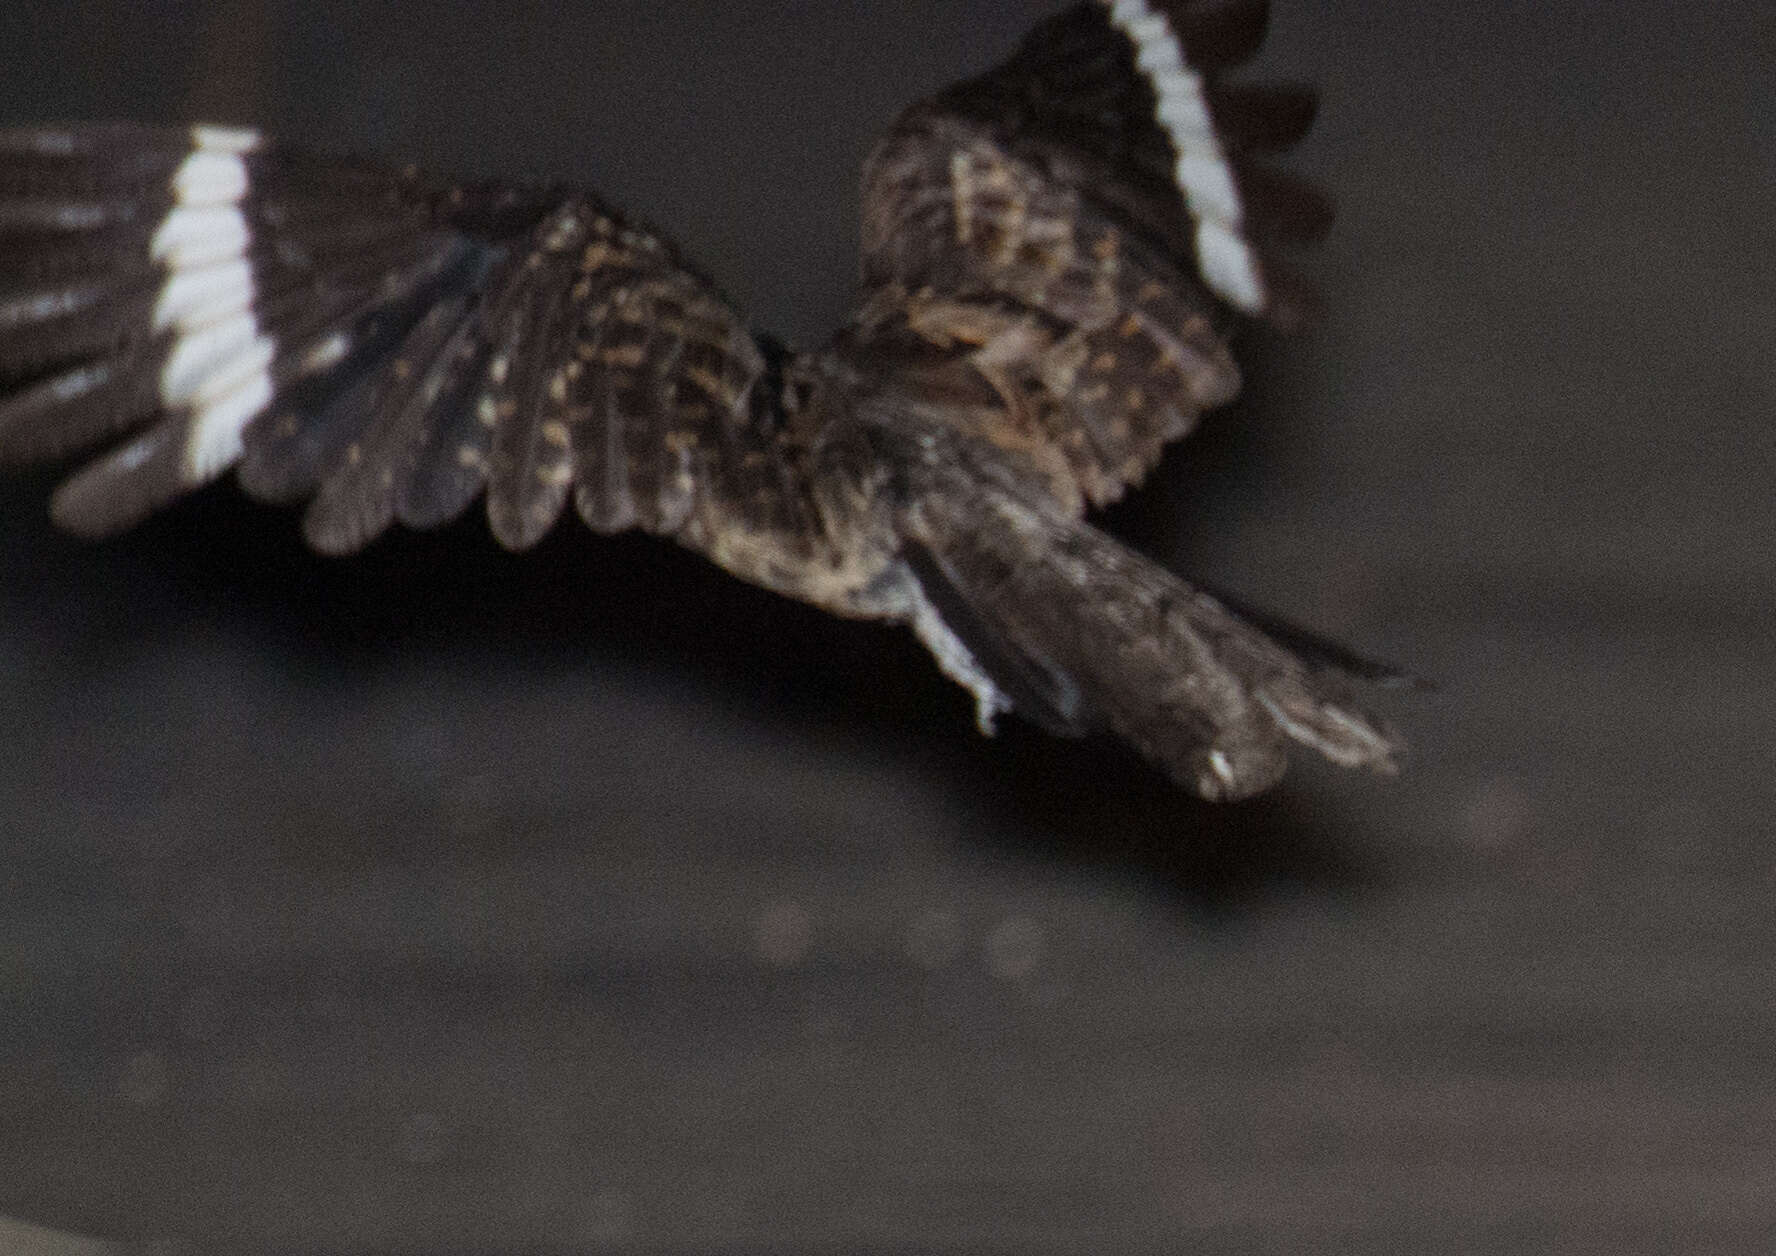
x=1201 y=168
x=220 y=361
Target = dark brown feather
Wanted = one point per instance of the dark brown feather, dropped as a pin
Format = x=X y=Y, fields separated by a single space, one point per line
x=1282 y=206
x=77 y=406
x=1205 y=695
x=1218 y=34
x=338 y=347
x=527 y=486
x=447 y=465
x=1262 y=117
x=125 y=486
x=666 y=372
x=356 y=501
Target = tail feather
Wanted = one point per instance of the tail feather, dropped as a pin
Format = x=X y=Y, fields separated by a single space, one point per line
x=1003 y=673
x=1205 y=694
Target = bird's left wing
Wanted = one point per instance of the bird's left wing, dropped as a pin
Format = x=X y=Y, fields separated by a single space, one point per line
x=385 y=345
x=1091 y=219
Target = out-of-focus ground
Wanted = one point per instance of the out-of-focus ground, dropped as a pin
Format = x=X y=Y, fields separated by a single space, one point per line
x=441 y=901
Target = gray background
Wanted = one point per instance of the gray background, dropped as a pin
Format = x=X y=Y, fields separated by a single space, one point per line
x=444 y=901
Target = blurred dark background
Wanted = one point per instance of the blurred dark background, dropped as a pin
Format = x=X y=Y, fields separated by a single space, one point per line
x=444 y=901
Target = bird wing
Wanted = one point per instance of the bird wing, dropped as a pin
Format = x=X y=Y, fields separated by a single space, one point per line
x=1088 y=220
x=381 y=344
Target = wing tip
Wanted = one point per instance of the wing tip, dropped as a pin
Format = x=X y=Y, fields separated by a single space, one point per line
x=120 y=489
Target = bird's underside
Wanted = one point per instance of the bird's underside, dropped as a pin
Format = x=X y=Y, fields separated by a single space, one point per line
x=1054 y=255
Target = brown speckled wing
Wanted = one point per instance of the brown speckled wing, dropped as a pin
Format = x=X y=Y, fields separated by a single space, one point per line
x=1086 y=222
x=622 y=377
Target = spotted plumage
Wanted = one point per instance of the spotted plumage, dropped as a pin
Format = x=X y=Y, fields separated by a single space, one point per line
x=1054 y=256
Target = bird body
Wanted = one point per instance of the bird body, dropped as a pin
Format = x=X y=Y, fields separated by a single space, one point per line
x=1054 y=256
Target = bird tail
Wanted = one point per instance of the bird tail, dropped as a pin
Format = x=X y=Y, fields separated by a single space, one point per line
x=1054 y=619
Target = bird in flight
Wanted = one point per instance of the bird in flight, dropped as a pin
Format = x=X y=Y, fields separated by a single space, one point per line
x=1054 y=256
